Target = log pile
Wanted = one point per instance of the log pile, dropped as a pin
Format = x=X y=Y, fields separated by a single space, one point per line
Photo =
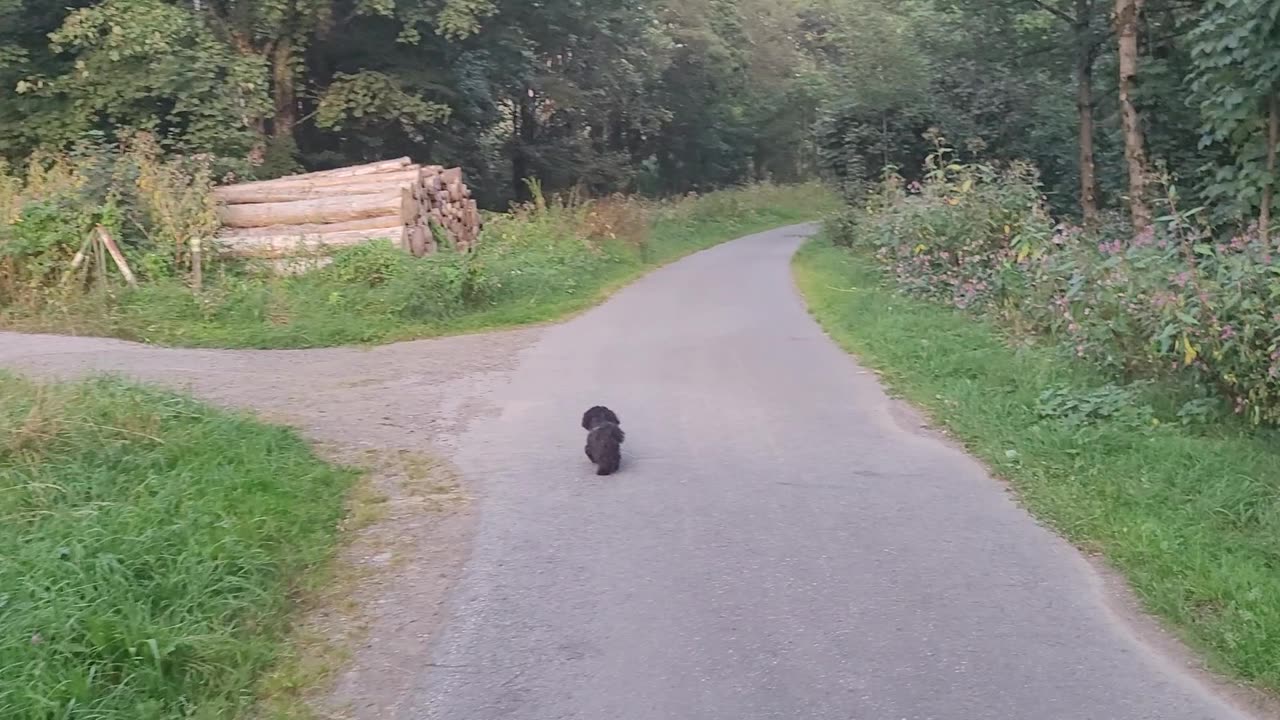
x=316 y=213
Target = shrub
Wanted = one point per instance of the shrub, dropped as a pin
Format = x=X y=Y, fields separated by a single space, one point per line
x=1173 y=300
x=958 y=236
x=441 y=287
x=370 y=264
x=153 y=204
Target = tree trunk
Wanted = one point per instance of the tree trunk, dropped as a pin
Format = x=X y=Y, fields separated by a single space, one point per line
x=283 y=91
x=373 y=168
x=526 y=129
x=244 y=45
x=1085 y=57
x=1127 y=18
x=1269 y=189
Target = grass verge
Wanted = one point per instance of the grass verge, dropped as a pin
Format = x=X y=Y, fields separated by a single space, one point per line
x=152 y=547
x=1189 y=514
x=538 y=263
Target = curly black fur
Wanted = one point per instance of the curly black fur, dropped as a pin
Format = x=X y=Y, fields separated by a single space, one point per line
x=604 y=439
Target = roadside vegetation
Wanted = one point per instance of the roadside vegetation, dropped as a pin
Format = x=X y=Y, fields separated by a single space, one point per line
x=542 y=260
x=152 y=549
x=1126 y=386
x=1061 y=240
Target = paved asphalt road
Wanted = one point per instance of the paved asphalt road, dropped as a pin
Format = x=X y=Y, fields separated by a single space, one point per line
x=777 y=544
x=780 y=543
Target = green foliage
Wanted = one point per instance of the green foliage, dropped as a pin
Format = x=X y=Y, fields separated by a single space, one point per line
x=370 y=264
x=663 y=98
x=1110 y=402
x=35 y=250
x=150 y=545
x=149 y=65
x=374 y=99
x=1171 y=301
x=152 y=203
x=459 y=19
x=957 y=236
x=614 y=96
x=1236 y=55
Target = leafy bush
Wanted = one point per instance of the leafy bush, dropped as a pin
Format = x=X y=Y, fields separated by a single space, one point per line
x=152 y=203
x=442 y=287
x=371 y=264
x=1171 y=300
x=35 y=249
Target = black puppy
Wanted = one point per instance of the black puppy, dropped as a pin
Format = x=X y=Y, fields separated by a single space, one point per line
x=604 y=439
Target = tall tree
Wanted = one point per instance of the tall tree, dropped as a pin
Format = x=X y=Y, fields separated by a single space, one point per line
x=148 y=64
x=1086 y=42
x=1128 y=15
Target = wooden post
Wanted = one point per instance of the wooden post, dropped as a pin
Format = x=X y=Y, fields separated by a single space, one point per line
x=99 y=258
x=81 y=255
x=197 y=264
x=116 y=255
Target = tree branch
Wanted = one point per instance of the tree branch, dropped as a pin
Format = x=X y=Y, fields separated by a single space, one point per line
x=1053 y=11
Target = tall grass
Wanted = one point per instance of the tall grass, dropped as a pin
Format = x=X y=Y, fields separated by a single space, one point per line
x=536 y=263
x=149 y=548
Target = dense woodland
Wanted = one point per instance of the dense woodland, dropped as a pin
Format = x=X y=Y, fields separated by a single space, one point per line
x=668 y=96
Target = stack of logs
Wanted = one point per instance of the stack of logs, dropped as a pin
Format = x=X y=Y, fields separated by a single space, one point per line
x=317 y=213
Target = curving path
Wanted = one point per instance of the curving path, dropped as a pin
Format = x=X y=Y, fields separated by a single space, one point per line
x=783 y=540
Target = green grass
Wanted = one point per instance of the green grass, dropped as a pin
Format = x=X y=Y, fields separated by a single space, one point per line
x=531 y=267
x=151 y=547
x=1191 y=515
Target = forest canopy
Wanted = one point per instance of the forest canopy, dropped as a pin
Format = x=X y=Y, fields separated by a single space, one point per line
x=668 y=96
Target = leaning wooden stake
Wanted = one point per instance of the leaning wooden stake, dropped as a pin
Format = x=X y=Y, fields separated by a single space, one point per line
x=110 y=244
x=81 y=255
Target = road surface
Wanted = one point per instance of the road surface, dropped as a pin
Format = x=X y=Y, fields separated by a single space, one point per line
x=782 y=541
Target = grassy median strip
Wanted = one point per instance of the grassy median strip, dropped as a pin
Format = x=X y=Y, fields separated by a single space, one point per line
x=150 y=548
x=1189 y=513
